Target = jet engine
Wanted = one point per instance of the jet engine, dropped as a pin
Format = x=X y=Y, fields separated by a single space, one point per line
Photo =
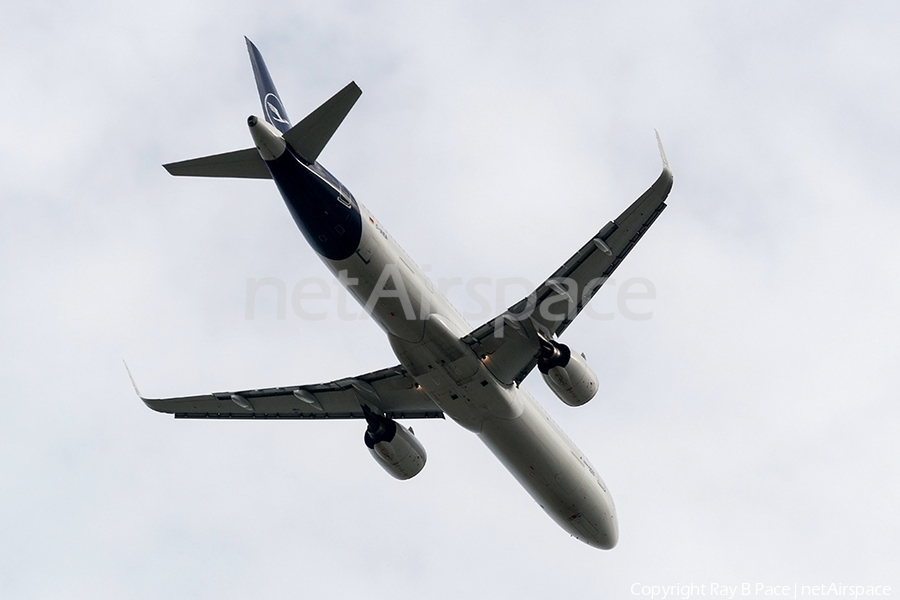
x=394 y=446
x=566 y=373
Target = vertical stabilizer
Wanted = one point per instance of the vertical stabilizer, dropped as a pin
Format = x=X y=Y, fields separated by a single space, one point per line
x=310 y=135
x=272 y=107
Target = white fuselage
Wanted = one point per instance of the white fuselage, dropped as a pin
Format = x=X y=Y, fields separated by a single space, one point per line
x=424 y=330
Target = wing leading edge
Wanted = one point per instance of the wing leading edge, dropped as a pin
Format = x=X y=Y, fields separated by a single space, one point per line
x=511 y=343
x=391 y=391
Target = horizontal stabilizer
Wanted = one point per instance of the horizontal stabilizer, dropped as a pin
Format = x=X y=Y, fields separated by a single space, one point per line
x=309 y=136
x=245 y=164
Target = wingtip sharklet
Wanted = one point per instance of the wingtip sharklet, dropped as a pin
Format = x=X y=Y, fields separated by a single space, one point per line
x=133 y=384
x=662 y=152
x=147 y=401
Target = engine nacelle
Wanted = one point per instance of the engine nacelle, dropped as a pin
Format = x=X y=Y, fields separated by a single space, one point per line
x=394 y=446
x=567 y=373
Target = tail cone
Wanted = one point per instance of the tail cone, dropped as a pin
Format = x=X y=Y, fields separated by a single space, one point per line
x=267 y=139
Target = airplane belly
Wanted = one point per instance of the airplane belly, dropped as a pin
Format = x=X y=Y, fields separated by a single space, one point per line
x=328 y=218
x=454 y=377
x=551 y=468
x=384 y=285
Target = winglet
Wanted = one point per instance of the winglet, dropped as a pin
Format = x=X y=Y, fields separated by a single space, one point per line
x=662 y=153
x=131 y=377
x=148 y=401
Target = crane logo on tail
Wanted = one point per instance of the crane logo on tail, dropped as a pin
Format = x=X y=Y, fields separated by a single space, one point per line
x=275 y=110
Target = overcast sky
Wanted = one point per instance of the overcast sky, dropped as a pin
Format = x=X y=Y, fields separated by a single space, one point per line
x=747 y=430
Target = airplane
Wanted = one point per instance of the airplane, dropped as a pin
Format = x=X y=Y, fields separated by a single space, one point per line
x=446 y=368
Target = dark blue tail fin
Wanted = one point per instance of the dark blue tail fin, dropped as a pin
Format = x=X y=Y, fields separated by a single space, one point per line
x=272 y=107
x=310 y=135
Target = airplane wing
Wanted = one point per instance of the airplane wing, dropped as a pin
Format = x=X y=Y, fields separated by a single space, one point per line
x=392 y=391
x=510 y=343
